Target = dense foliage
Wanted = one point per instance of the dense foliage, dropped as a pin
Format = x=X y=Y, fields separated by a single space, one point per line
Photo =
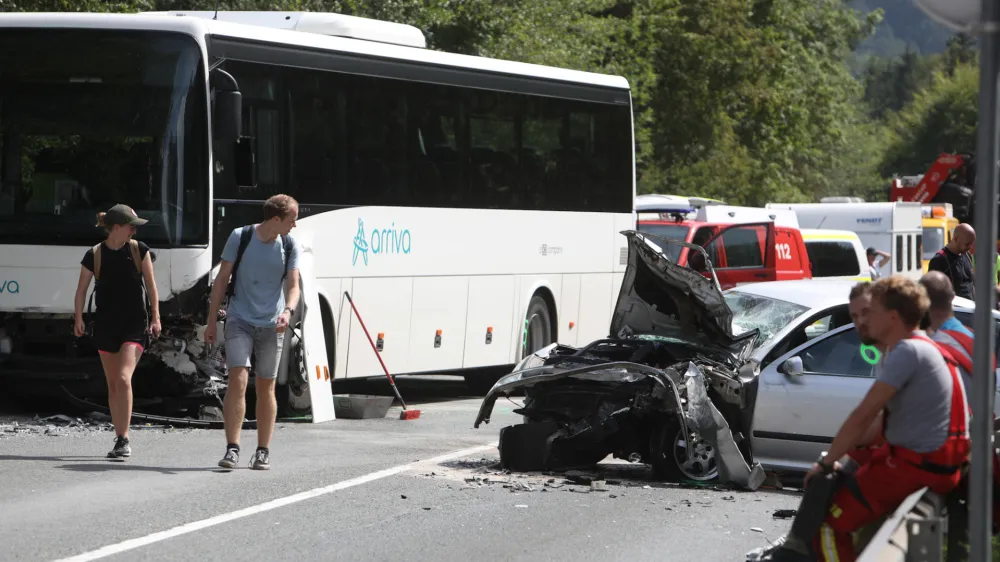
x=746 y=100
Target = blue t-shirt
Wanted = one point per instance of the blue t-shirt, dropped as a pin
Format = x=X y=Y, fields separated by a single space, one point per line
x=955 y=325
x=260 y=295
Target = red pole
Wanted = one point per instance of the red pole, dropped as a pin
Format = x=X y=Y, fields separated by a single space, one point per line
x=375 y=349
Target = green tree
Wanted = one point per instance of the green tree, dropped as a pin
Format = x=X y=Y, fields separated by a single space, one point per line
x=941 y=118
x=762 y=90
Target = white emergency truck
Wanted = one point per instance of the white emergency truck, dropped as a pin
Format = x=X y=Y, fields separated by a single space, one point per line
x=893 y=227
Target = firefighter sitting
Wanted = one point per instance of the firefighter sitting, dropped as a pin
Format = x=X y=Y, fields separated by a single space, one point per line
x=924 y=439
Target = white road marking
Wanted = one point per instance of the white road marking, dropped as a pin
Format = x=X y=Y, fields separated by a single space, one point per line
x=186 y=528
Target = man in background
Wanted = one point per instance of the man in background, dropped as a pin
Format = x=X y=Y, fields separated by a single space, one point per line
x=873 y=255
x=954 y=261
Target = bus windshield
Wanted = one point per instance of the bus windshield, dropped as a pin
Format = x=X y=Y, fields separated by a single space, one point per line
x=91 y=118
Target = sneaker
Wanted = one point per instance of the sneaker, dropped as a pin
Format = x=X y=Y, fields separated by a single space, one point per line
x=231 y=459
x=122 y=448
x=260 y=460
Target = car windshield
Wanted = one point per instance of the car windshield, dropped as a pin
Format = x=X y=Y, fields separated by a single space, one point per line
x=762 y=313
x=91 y=118
x=670 y=232
x=933 y=241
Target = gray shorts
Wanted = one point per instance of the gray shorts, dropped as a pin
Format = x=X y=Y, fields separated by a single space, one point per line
x=243 y=338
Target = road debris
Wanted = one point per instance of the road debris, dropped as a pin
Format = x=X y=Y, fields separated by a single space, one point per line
x=785 y=513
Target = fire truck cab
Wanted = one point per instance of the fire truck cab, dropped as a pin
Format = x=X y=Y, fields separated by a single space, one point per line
x=744 y=244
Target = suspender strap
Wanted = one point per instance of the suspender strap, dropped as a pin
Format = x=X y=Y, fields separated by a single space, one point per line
x=967 y=344
x=956 y=425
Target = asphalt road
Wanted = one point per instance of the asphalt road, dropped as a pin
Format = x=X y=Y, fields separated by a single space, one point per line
x=336 y=492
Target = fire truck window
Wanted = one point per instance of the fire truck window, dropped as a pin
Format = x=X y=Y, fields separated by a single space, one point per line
x=742 y=246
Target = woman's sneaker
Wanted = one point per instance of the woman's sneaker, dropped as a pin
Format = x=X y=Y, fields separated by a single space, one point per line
x=122 y=448
x=231 y=458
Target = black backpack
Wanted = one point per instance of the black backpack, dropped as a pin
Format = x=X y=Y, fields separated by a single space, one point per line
x=245 y=234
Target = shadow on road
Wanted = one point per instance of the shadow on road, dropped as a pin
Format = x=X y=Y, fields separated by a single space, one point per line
x=113 y=465
x=103 y=464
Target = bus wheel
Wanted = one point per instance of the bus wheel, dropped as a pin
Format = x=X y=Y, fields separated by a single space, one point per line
x=537 y=327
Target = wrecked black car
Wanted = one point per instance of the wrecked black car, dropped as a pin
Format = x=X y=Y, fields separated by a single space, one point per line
x=665 y=389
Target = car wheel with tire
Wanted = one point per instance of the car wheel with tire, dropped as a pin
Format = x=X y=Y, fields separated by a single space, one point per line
x=676 y=456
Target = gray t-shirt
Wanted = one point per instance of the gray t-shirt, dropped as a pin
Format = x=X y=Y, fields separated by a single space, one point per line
x=920 y=412
x=260 y=295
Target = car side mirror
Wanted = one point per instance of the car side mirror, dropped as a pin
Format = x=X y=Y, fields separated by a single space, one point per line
x=793 y=367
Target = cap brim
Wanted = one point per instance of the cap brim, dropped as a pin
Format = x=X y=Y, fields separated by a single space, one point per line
x=137 y=222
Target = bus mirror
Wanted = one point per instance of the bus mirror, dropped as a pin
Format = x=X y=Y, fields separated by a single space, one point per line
x=228 y=115
x=244 y=165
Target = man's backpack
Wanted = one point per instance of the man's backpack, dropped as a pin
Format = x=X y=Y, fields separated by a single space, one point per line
x=245 y=235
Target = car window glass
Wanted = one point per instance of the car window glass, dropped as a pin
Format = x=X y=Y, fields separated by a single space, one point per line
x=818 y=328
x=837 y=355
x=743 y=247
x=702 y=235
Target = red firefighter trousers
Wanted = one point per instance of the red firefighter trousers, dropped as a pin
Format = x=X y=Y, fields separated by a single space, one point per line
x=877 y=488
x=888 y=475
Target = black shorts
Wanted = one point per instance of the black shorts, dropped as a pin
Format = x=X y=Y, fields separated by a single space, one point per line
x=109 y=337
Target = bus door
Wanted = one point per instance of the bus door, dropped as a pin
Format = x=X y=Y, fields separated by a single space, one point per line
x=303 y=353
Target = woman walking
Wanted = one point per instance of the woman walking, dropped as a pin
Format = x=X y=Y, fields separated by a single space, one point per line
x=122 y=271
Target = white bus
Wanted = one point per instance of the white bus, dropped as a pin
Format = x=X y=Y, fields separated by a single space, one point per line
x=472 y=207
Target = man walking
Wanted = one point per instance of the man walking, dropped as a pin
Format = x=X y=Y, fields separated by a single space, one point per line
x=263 y=258
x=955 y=262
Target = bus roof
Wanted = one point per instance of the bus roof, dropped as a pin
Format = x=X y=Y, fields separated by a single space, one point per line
x=266 y=27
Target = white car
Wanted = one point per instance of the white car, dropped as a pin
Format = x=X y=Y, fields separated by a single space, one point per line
x=796 y=415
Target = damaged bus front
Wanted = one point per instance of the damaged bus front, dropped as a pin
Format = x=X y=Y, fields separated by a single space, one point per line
x=91 y=117
x=671 y=387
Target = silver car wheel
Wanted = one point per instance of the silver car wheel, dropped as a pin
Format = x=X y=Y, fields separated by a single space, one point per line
x=695 y=458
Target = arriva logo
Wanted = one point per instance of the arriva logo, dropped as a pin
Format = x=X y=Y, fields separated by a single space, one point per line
x=385 y=241
x=11 y=287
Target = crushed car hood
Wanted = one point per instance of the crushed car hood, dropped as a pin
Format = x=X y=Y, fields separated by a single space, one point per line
x=660 y=299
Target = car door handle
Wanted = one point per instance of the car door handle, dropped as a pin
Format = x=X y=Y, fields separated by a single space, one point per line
x=761 y=275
